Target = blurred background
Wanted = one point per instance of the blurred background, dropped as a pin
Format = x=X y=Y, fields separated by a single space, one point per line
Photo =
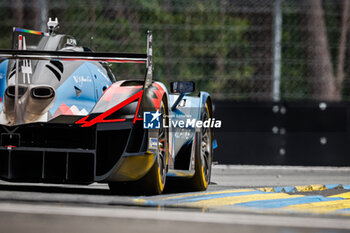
x=278 y=70
x=234 y=49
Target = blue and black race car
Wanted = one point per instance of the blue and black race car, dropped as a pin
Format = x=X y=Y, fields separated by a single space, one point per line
x=64 y=118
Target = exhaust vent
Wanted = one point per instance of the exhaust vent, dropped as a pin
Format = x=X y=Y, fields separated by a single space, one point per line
x=10 y=91
x=43 y=92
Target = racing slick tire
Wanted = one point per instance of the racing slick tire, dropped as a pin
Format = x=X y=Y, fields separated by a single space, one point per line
x=203 y=155
x=154 y=181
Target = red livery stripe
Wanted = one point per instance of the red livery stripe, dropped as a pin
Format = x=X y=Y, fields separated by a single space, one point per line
x=101 y=118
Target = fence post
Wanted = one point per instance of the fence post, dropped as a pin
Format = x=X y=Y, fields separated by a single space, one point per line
x=43 y=15
x=276 y=46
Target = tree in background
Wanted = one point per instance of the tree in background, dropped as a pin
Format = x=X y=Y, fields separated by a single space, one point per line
x=225 y=46
x=324 y=83
x=18 y=12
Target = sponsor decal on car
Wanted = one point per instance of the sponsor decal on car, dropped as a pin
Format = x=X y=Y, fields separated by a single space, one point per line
x=80 y=80
x=153 y=143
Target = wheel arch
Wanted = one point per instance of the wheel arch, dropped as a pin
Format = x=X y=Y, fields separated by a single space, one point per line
x=204 y=97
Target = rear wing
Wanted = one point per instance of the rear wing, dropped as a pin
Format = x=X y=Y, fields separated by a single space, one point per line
x=22 y=54
x=146 y=58
x=74 y=56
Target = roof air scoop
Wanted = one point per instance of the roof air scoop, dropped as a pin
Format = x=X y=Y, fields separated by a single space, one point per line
x=53 y=26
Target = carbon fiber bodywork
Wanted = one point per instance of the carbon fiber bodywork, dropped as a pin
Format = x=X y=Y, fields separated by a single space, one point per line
x=59 y=153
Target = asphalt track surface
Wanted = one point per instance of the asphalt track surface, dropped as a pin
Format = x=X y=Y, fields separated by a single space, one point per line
x=240 y=199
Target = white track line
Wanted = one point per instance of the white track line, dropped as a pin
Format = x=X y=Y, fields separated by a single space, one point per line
x=291 y=168
x=195 y=217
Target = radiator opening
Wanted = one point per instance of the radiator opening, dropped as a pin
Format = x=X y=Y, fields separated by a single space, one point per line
x=81 y=167
x=55 y=166
x=4 y=160
x=26 y=165
x=110 y=146
x=136 y=142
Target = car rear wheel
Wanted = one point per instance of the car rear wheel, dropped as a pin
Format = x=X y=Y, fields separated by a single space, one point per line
x=154 y=181
x=203 y=155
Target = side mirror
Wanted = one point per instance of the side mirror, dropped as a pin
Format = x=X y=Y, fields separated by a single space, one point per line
x=182 y=87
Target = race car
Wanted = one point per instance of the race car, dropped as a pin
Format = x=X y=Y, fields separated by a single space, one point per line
x=65 y=118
